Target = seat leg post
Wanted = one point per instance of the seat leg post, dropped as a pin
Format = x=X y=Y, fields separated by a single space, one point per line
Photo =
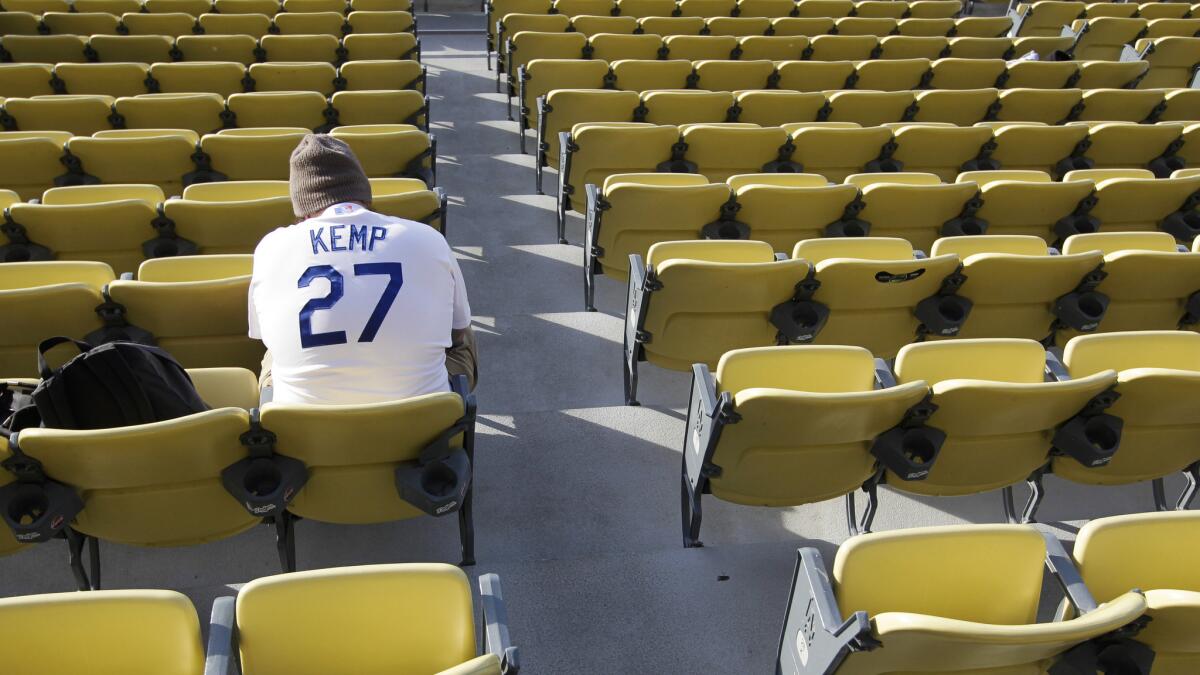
x=631 y=377
x=1192 y=474
x=851 y=515
x=1036 y=494
x=1160 y=494
x=75 y=542
x=689 y=502
x=1010 y=508
x=94 y=562
x=466 y=526
x=871 y=487
x=285 y=541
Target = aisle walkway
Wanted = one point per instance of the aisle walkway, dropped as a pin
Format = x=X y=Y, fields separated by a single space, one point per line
x=577 y=504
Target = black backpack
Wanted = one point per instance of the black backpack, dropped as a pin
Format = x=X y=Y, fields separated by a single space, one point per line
x=113 y=385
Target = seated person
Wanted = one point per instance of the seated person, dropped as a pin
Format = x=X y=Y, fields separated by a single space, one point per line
x=355 y=306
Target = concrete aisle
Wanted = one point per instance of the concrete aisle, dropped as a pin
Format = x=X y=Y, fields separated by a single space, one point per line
x=577 y=502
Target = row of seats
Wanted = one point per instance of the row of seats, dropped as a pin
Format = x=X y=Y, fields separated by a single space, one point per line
x=198 y=7
x=1049 y=17
x=591 y=152
x=122 y=225
x=244 y=49
x=635 y=211
x=554 y=95
x=209 y=113
x=967 y=597
x=174 y=25
x=234 y=467
x=25 y=80
x=949 y=418
x=405 y=618
x=32 y=162
x=692 y=301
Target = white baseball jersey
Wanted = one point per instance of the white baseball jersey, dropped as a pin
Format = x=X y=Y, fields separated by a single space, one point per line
x=356 y=307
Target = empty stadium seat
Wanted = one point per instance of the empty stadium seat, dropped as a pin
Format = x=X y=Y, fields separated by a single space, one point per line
x=159 y=157
x=789 y=425
x=1148 y=281
x=82 y=115
x=218 y=77
x=1015 y=285
x=1156 y=375
x=882 y=315
x=104 y=626
x=998 y=413
x=231 y=224
x=1030 y=203
x=982 y=615
x=173 y=24
x=201 y=113
x=235 y=48
x=836 y=152
x=186 y=268
x=53 y=298
x=251 y=154
x=695 y=286
x=784 y=209
x=1152 y=552
x=416 y=617
x=916 y=207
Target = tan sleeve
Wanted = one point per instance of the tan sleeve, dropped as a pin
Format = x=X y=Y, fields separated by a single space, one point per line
x=461 y=357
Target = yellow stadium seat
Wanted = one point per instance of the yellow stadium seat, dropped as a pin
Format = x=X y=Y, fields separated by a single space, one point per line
x=318 y=77
x=1120 y=105
x=772 y=47
x=983 y=616
x=314 y=23
x=824 y=8
x=172 y=24
x=954 y=73
x=1152 y=552
x=1172 y=27
x=367 y=22
x=236 y=48
x=590 y=153
x=230 y=224
x=193 y=7
x=1045 y=18
x=253 y=25
x=102 y=624
x=1149 y=283
x=784 y=209
x=80 y=23
x=594 y=25
x=44 y=48
x=368 y=75
x=916 y=207
x=117 y=7
x=700 y=47
x=815 y=75
x=391 y=150
x=195 y=268
x=112 y=232
x=706 y=8
x=56 y=298
x=1028 y=203
x=1172 y=61
x=279 y=108
x=1104 y=38
x=841 y=47
x=723 y=150
x=19 y=23
x=104 y=79
x=221 y=78
x=788 y=425
x=632 y=212
x=684 y=107
x=355 y=453
x=80 y=115
x=1122 y=145
x=918 y=299
x=770 y=108
x=939 y=150
x=26 y=79
x=740 y=26
x=647 y=75
x=30 y=160
x=672 y=25
x=685 y=289
x=1015 y=285
x=575 y=8
x=1110 y=74
x=540 y=77
x=268 y=7
x=563 y=108
x=428 y=604
x=498 y=9
x=990 y=444
x=252 y=154
x=1138 y=202
x=201 y=113
x=301 y=48
x=913 y=46
x=159 y=157
x=858 y=25
x=375 y=47
x=381 y=107
x=646 y=8
x=1156 y=373
x=809 y=26
x=837 y=152
x=303 y=6
x=615 y=47
x=1031 y=147
x=135 y=48
x=512 y=24
x=877 y=9
x=891 y=74
x=767 y=8
x=734 y=75
x=961 y=107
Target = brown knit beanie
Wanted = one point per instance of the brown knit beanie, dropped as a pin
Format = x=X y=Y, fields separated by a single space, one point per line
x=324 y=172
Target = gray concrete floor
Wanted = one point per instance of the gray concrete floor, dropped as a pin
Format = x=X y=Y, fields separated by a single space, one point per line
x=577 y=504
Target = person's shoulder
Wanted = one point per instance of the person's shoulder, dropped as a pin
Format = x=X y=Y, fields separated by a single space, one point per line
x=274 y=239
x=413 y=230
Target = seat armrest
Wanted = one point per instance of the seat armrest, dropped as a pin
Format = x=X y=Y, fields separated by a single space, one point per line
x=815 y=639
x=219 y=659
x=884 y=377
x=1064 y=571
x=495 y=622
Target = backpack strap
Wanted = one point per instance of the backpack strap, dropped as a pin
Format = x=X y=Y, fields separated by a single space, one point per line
x=123 y=388
x=50 y=343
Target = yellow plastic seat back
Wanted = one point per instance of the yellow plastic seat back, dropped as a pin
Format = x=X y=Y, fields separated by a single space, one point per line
x=201 y=113
x=812 y=414
x=939 y=150
x=111 y=232
x=378 y=75
x=54 y=298
x=1026 y=203
x=160 y=159
x=917 y=213
x=261 y=154
x=385 y=618
x=568 y=107
x=105 y=79
x=389 y=150
x=25 y=79
x=219 y=77
x=372 y=46
x=639 y=75
x=783 y=209
x=46 y=48
x=203 y=324
x=1148 y=282
x=159 y=484
x=1013 y=282
x=1028 y=147
x=173 y=24
x=352 y=452
x=997 y=411
x=720 y=151
x=716 y=296
x=30 y=161
x=1158 y=372
x=864 y=309
x=1155 y=552
x=232 y=48
x=982 y=620
x=771 y=108
x=869 y=108
x=837 y=153
x=195 y=268
x=607 y=149
x=100 y=625
x=80 y=115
